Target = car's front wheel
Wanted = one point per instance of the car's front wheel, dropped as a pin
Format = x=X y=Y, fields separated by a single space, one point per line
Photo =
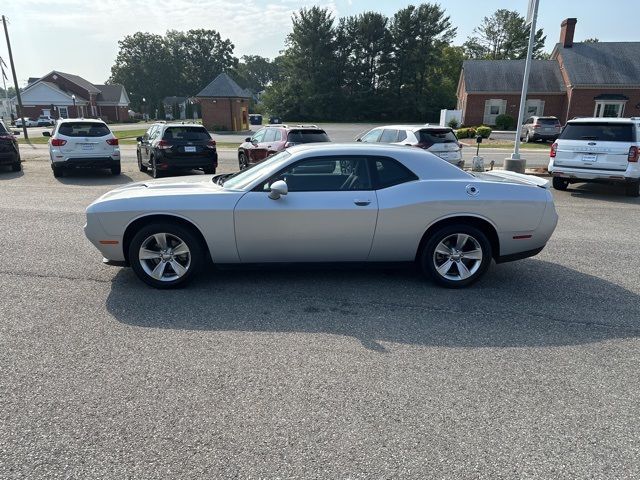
x=560 y=183
x=165 y=255
x=456 y=255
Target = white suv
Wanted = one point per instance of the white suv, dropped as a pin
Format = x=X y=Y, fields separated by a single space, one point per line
x=83 y=143
x=440 y=141
x=597 y=150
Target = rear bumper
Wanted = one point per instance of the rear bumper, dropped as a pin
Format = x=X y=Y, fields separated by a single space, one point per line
x=187 y=162
x=9 y=158
x=88 y=162
x=632 y=173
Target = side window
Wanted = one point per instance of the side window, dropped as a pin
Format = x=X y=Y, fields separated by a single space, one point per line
x=388 y=172
x=388 y=136
x=325 y=174
x=270 y=135
x=277 y=135
x=372 y=136
x=257 y=138
x=402 y=136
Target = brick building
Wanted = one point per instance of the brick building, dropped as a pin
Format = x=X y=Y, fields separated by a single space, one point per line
x=64 y=95
x=579 y=80
x=224 y=105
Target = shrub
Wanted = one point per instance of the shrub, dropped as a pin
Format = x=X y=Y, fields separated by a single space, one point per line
x=453 y=123
x=462 y=132
x=483 y=131
x=505 y=122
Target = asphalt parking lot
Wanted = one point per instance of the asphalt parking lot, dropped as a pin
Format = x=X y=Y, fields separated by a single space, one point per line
x=315 y=372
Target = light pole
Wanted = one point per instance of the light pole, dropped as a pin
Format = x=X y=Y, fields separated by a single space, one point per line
x=75 y=110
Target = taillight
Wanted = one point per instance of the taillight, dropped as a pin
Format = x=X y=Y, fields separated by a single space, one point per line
x=633 y=154
x=535 y=125
x=112 y=141
x=56 y=142
x=164 y=145
x=211 y=144
x=552 y=153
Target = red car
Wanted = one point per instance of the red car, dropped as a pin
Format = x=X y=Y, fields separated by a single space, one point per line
x=274 y=138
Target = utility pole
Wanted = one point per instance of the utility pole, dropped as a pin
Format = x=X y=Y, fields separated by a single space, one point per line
x=515 y=163
x=15 y=78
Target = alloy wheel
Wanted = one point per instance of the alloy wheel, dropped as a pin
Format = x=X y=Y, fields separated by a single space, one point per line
x=457 y=257
x=164 y=257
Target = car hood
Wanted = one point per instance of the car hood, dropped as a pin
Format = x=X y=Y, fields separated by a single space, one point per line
x=505 y=176
x=192 y=184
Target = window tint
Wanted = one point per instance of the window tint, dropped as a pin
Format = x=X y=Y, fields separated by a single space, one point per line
x=548 y=121
x=325 y=174
x=603 y=131
x=259 y=135
x=277 y=135
x=402 y=135
x=388 y=136
x=372 y=136
x=270 y=135
x=389 y=172
x=245 y=177
x=84 y=129
x=433 y=136
x=186 y=133
x=307 y=136
x=3 y=129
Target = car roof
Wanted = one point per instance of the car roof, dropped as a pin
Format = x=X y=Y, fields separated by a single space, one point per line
x=605 y=119
x=180 y=124
x=293 y=127
x=413 y=128
x=74 y=120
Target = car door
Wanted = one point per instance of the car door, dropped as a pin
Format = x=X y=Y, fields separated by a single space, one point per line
x=329 y=214
x=254 y=151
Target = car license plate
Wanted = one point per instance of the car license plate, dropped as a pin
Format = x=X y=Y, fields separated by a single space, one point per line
x=589 y=158
x=87 y=146
x=190 y=149
x=444 y=156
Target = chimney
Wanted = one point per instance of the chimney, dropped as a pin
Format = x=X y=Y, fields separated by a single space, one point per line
x=567 y=28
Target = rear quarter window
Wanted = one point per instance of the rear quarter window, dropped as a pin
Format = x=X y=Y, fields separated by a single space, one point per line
x=83 y=129
x=307 y=136
x=599 y=131
x=388 y=172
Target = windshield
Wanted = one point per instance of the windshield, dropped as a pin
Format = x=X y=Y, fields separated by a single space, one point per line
x=603 y=131
x=245 y=177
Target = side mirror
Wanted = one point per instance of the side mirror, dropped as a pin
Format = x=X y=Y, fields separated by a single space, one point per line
x=248 y=139
x=278 y=189
x=46 y=134
x=138 y=139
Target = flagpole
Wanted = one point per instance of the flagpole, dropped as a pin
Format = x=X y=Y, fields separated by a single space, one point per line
x=515 y=163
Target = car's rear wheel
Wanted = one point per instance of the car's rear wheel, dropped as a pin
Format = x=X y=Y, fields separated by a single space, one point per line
x=243 y=163
x=632 y=189
x=527 y=138
x=165 y=255
x=154 y=169
x=141 y=167
x=16 y=167
x=209 y=170
x=560 y=183
x=57 y=171
x=116 y=169
x=456 y=255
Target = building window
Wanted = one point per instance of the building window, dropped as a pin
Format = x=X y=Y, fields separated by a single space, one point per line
x=609 y=109
x=63 y=112
x=492 y=108
x=534 y=108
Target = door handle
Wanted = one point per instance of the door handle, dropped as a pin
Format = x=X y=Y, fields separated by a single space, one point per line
x=362 y=203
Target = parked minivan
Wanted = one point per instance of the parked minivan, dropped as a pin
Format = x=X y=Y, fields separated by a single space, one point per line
x=597 y=150
x=440 y=141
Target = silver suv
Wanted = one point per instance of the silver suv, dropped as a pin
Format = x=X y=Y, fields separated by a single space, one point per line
x=597 y=150
x=540 y=128
x=440 y=141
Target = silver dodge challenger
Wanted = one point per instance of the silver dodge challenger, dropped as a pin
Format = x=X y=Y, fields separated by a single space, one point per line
x=326 y=203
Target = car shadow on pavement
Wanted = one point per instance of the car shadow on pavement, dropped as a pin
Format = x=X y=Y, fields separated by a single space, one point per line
x=89 y=177
x=531 y=303
x=602 y=191
x=7 y=174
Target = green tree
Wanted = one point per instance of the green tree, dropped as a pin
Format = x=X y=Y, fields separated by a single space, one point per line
x=590 y=40
x=255 y=72
x=162 y=114
x=503 y=35
x=141 y=66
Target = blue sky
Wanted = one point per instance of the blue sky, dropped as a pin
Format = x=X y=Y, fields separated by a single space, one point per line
x=80 y=36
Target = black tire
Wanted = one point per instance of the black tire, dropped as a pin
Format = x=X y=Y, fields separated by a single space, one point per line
x=174 y=230
x=632 y=189
x=116 y=169
x=243 y=163
x=16 y=167
x=155 y=173
x=560 y=183
x=209 y=170
x=141 y=167
x=527 y=138
x=57 y=171
x=477 y=242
